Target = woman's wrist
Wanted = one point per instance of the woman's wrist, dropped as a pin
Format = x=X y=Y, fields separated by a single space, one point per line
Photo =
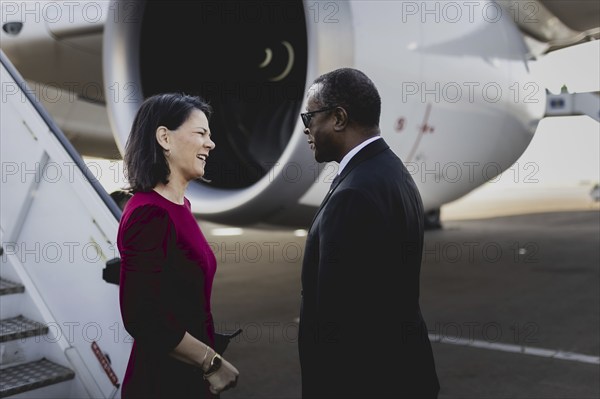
x=208 y=355
x=215 y=364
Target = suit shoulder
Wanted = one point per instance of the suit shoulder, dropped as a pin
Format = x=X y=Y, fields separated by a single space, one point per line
x=382 y=167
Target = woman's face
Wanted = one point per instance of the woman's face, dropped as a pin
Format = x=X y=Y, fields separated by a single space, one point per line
x=189 y=147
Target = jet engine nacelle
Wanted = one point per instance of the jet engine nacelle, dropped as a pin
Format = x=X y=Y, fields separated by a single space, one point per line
x=252 y=62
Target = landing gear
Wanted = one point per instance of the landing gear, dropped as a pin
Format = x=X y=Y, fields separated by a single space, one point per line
x=432 y=220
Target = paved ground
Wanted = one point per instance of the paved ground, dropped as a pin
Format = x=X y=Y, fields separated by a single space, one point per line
x=489 y=288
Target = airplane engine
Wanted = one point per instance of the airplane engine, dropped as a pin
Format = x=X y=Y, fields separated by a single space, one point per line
x=251 y=61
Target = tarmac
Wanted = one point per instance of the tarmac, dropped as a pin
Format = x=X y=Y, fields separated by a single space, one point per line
x=512 y=305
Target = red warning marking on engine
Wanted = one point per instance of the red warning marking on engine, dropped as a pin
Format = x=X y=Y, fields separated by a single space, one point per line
x=423 y=129
x=399 y=124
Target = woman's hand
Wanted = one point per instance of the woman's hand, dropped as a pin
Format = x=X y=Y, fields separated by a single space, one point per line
x=224 y=378
x=194 y=352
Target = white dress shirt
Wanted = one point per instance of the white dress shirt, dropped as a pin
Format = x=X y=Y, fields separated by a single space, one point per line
x=353 y=152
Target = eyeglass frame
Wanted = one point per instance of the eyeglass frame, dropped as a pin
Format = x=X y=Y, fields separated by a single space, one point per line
x=307 y=116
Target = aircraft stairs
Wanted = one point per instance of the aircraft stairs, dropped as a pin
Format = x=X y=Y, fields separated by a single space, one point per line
x=61 y=334
x=25 y=349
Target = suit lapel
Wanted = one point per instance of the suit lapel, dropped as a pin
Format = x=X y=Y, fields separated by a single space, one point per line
x=369 y=151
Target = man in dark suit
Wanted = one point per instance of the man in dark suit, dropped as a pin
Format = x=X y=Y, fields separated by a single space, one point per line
x=361 y=330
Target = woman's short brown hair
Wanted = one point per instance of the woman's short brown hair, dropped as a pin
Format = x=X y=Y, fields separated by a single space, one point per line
x=145 y=162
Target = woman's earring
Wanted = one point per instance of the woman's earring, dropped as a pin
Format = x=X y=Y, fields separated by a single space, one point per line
x=167 y=153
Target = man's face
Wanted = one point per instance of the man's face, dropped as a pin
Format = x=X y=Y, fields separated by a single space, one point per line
x=321 y=136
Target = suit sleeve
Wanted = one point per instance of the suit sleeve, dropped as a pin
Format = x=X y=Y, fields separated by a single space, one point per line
x=147 y=239
x=349 y=232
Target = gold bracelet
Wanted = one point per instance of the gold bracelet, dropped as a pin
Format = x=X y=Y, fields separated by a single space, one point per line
x=204 y=358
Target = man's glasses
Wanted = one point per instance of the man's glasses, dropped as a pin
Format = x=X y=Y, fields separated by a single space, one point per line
x=307 y=116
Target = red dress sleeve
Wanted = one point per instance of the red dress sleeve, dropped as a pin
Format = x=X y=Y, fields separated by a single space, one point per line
x=146 y=241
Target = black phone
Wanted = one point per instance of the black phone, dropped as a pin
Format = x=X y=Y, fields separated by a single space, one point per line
x=222 y=340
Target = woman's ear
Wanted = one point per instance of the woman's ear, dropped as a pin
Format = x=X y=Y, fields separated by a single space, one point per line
x=162 y=136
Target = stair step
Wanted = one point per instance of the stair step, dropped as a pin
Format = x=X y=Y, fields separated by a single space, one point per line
x=20 y=327
x=28 y=349
x=60 y=390
x=28 y=376
x=8 y=287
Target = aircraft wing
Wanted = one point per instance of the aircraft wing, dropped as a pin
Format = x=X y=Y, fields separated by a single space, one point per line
x=549 y=25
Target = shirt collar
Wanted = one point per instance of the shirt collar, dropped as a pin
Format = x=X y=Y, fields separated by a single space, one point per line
x=354 y=151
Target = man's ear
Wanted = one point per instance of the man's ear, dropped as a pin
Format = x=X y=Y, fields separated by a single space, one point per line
x=162 y=136
x=341 y=119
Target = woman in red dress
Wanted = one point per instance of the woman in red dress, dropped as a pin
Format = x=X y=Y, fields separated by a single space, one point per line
x=167 y=266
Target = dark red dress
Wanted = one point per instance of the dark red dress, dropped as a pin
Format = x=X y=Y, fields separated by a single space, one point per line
x=167 y=271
